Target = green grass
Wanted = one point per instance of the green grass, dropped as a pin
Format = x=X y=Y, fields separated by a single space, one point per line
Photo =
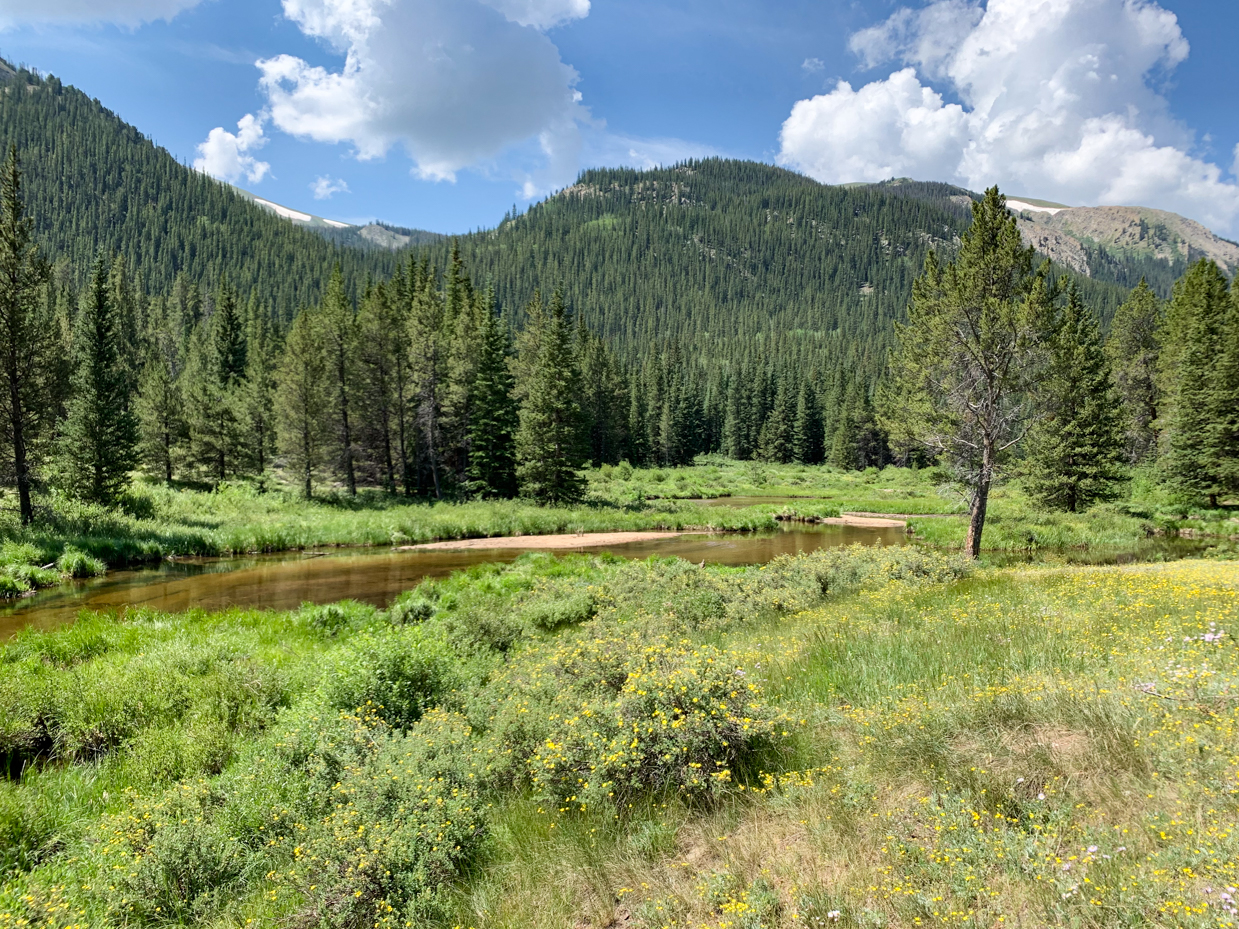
x=889 y=736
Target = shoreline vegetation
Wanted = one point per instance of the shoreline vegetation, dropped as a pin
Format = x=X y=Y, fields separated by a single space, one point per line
x=158 y=522
x=857 y=737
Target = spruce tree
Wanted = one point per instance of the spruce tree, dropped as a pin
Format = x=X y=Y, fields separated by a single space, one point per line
x=257 y=391
x=382 y=389
x=807 y=428
x=228 y=332
x=775 y=443
x=1075 y=450
x=1132 y=349
x=99 y=437
x=493 y=416
x=549 y=441
x=212 y=410
x=1193 y=459
x=161 y=419
x=1224 y=402
x=338 y=327
x=302 y=401
x=26 y=337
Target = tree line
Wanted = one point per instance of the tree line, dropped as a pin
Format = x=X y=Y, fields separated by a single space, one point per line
x=424 y=386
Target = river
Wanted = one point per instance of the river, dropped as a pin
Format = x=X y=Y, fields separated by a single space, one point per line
x=372 y=575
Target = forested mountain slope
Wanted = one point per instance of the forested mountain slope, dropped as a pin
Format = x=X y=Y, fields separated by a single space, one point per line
x=728 y=257
x=94 y=183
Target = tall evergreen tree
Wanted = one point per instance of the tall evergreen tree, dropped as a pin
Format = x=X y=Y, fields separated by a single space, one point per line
x=777 y=432
x=302 y=401
x=1075 y=450
x=493 y=417
x=338 y=328
x=216 y=446
x=807 y=428
x=228 y=332
x=382 y=390
x=1193 y=459
x=427 y=373
x=1132 y=349
x=549 y=441
x=968 y=358
x=160 y=411
x=257 y=390
x=26 y=339
x=1225 y=400
x=99 y=438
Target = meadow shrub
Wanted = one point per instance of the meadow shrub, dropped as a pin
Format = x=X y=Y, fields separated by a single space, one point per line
x=404 y=820
x=599 y=722
x=399 y=672
x=410 y=610
x=556 y=612
x=623 y=471
x=333 y=618
x=170 y=861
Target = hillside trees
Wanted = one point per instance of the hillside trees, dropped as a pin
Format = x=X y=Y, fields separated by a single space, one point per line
x=26 y=342
x=301 y=400
x=964 y=372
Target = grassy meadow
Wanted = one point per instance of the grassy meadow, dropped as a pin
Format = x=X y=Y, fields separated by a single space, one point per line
x=859 y=737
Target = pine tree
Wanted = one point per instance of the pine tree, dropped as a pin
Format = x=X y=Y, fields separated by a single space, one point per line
x=161 y=419
x=549 y=442
x=212 y=410
x=1075 y=451
x=338 y=327
x=382 y=361
x=228 y=331
x=99 y=438
x=301 y=400
x=427 y=373
x=26 y=338
x=807 y=428
x=968 y=357
x=257 y=391
x=493 y=415
x=1192 y=459
x=775 y=443
x=1133 y=353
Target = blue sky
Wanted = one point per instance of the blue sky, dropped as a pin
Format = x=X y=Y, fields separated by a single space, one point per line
x=442 y=114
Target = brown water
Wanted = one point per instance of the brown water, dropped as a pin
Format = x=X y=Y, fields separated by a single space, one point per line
x=286 y=581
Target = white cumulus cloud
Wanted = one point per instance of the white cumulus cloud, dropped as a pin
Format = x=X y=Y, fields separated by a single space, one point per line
x=125 y=12
x=452 y=82
x=1056 y=99
x=226 y=155
x=325 y=187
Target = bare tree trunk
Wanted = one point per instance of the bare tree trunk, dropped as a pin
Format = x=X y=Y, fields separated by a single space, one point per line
x=20 y=464
x=980 y=502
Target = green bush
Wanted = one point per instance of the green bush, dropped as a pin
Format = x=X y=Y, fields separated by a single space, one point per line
x=410 y=610
x=552 y=614
x=76 y=563
x=600 y=722
x=400 y=673
x=170 y=861
x=333 y=618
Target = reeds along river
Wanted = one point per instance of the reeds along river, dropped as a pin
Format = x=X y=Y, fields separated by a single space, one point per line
x=286 y=581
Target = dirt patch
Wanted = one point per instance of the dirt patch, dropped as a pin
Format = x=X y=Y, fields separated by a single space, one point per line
x=544 y=542
x=864 y=522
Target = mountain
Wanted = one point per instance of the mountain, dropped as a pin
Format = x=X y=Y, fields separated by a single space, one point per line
x=1115 y=244
x=95 y=184
x=724 y=258
x=372 y=235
